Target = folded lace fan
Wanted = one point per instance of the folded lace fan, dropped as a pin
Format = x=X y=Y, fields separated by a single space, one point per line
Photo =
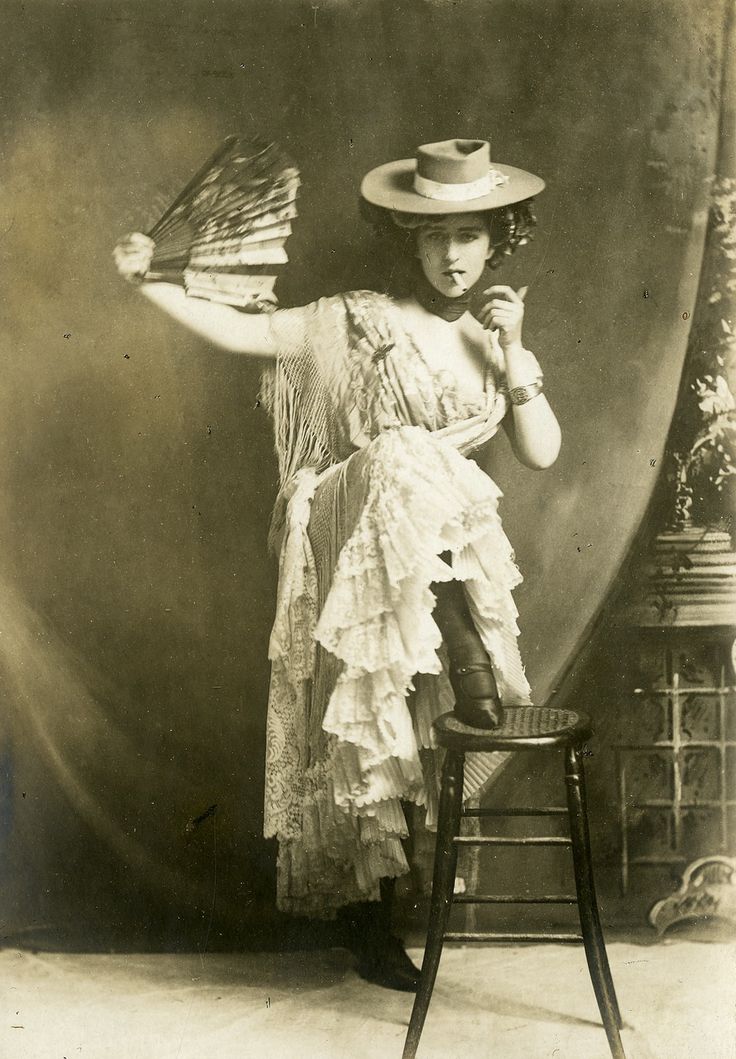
x=223 y=235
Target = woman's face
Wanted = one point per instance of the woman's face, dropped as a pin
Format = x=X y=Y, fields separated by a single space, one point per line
x=453 y=251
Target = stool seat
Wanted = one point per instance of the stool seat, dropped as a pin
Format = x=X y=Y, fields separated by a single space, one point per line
x=523 y=728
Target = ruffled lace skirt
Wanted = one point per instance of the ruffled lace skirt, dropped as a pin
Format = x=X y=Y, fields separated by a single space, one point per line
x=358 y=673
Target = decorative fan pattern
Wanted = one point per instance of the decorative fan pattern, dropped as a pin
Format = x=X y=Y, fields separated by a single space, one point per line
x=223 y=236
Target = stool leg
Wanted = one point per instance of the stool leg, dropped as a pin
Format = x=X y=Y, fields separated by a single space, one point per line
x=443 y=885
x=595 y=948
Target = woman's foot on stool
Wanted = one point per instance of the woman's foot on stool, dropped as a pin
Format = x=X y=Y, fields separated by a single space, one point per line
x=477 y=702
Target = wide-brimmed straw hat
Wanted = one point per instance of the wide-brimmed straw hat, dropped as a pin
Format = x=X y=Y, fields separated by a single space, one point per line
x=452 y=176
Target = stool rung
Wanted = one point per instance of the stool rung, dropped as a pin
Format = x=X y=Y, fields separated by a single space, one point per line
x=552 y=810
x=513 y=899
x=531 y=937
x=498 y=840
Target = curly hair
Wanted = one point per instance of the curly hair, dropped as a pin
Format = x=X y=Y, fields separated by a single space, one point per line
x=509 y=227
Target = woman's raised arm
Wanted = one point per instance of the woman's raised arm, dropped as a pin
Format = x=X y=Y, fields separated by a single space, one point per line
x=533 y=430
x=222 y=325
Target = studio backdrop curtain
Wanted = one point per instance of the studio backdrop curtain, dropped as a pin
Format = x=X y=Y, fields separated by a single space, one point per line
x=137 y=470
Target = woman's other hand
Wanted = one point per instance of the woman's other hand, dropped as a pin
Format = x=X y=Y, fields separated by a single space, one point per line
x=504 y=312
x=133 y=255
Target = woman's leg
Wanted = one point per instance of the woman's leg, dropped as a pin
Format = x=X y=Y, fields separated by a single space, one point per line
x=477 y=702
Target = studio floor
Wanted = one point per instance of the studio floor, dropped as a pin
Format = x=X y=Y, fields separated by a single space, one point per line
x=678 y=998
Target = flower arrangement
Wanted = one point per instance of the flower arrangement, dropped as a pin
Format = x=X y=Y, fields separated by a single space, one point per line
x=712 y=454
x=705 y=467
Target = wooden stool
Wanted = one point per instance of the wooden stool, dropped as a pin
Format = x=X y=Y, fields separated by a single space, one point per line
x=525 y=728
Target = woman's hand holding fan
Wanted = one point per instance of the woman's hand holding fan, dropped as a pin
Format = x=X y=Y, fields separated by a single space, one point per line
x=224 y=234
x=133 y=255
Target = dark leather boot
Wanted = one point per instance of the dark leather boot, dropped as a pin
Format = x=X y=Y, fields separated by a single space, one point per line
x=477 y=702
x=382 y=959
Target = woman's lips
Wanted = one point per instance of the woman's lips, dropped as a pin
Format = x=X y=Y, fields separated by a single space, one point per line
x=456 y=277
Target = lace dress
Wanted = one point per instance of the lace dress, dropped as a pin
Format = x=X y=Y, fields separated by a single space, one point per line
x=375 y=487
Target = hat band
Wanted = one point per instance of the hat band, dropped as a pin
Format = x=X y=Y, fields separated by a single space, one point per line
x=474 y=189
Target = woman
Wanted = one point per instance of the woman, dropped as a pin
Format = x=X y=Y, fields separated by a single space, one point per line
x=395 y=576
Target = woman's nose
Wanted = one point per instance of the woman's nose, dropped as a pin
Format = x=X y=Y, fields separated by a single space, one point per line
x=451 y=252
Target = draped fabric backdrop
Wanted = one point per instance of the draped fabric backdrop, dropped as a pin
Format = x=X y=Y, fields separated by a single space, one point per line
x=137 y=470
